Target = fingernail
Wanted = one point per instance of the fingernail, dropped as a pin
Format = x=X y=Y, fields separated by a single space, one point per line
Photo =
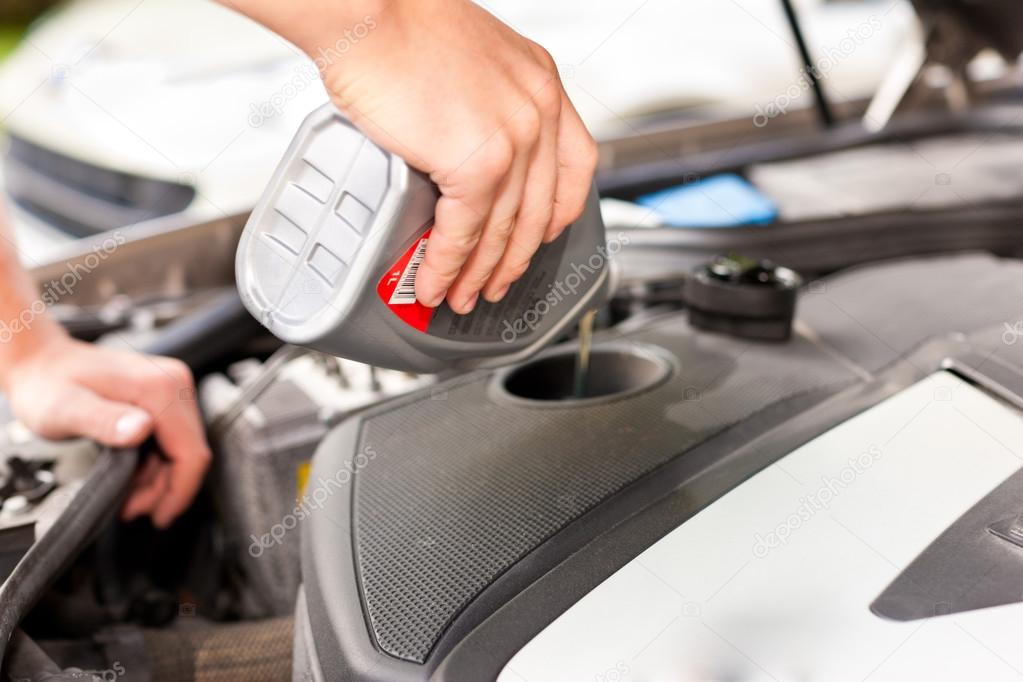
x=131 y=424
x=500 y=293
x=470 y=303
x=433 y=302
x=551 y=235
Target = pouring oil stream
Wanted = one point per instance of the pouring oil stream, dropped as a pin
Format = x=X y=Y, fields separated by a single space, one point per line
x=582 y=359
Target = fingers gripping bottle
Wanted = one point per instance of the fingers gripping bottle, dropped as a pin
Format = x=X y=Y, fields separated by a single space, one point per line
x=329 y=256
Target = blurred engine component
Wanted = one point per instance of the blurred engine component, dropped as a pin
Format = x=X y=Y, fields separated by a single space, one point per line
x=958 y=29
x=56 y=496
x=980 y=168
x=744 y=297
x=25 y=483
x=266 y=420
x=955 y=32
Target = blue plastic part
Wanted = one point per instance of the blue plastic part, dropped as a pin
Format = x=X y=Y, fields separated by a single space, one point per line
x=726 y=200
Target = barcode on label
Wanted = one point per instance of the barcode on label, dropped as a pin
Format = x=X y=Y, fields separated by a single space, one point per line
x=405 y=292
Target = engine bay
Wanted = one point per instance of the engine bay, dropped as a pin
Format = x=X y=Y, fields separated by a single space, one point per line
x=373 y=524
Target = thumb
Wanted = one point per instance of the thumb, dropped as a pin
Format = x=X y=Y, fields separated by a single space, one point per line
x=111 y=423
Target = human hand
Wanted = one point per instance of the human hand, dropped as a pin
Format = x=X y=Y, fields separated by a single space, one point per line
x=461 y=96
x=61 y=388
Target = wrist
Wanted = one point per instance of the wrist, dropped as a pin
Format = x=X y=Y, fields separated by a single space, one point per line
x=25 y=336
x=349 y=35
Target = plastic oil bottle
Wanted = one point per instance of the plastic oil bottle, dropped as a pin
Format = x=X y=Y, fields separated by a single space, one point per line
x=329 y=256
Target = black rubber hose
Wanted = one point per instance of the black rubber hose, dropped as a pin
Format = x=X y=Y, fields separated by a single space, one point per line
x=96 y=502
x=218 y=328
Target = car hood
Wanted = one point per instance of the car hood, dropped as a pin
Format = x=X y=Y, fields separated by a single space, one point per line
x=161 y=88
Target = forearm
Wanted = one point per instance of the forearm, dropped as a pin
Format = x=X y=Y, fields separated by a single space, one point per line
x=24 y=325
x=312 y=25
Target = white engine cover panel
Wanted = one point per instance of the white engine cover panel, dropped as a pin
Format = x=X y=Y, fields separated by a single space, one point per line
x=774 y=580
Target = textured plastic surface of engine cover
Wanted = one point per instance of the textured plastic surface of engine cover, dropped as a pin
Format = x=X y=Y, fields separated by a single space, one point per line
x=460 y=483
x=466 y=482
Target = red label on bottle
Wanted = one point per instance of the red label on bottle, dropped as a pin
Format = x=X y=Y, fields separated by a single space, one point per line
x=397 y=288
